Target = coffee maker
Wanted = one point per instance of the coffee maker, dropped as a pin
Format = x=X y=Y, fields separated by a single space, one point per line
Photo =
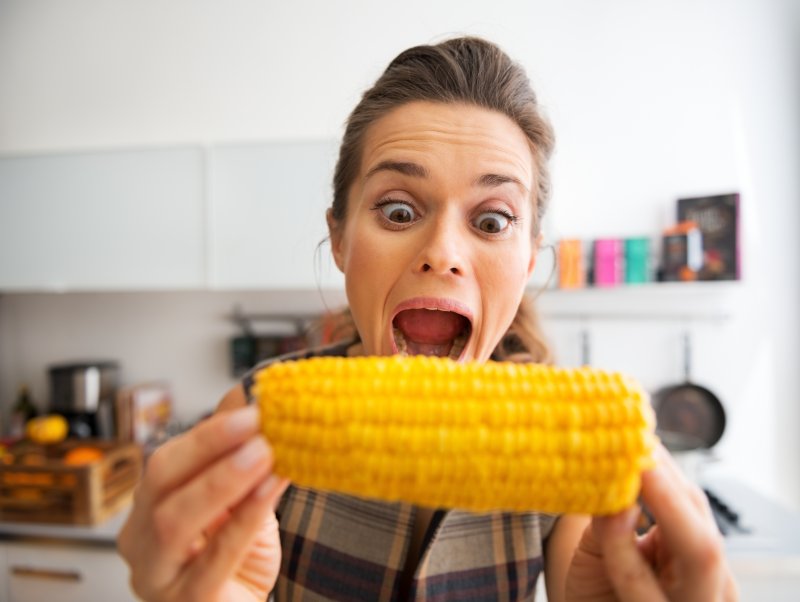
x=84 y=393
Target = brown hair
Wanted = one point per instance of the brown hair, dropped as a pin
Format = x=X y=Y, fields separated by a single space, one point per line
x=462 y=70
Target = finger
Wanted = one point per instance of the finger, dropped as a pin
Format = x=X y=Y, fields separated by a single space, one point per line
x=226 y=550
x=589 y=542
x=216 y=523
x=629 y=573
x=687 y=535
x=262 y=562
x=181 y=458
x=678 y=476
x=730 y=589
x=280 y=488
x=190 y=511
x=683 y=521
x=649 y=545
x=220 y=520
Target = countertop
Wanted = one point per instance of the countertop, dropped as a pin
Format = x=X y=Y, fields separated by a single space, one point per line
x=100 y=535
x=770 y=540
x=764 y=554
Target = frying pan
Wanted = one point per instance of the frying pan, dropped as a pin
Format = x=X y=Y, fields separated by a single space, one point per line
x=688 y=416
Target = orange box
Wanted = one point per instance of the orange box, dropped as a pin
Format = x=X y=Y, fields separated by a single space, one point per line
x=571 y=268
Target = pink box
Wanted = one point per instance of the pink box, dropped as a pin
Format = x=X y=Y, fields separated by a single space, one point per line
x=609 y=266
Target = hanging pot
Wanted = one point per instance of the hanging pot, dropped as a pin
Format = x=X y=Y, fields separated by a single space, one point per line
x=688 y=416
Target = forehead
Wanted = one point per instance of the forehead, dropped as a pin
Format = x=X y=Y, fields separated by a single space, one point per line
x=427 y=131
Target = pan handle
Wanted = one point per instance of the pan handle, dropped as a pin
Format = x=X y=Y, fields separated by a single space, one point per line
x=687 y=355
x=586 y=347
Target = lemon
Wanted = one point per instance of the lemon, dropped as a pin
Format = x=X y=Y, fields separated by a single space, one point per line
x=47 y=429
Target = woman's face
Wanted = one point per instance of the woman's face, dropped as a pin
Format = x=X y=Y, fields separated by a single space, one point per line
x=436 y=247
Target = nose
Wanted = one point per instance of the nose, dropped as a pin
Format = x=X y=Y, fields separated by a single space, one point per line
x=442 y=251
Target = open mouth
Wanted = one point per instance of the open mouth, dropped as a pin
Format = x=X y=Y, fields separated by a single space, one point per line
x=431 y=331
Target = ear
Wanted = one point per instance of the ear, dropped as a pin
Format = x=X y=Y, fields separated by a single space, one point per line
x=337 y=239
x=537 y=245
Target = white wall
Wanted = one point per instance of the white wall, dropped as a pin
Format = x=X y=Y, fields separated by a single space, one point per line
x=650 y=101
x=180 y=337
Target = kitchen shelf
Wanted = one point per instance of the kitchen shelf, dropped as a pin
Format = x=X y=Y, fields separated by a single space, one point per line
x=297 y=321
x=671 y=301
x=657 y=301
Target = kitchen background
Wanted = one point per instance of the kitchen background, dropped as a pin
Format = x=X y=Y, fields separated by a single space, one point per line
x=198 y=113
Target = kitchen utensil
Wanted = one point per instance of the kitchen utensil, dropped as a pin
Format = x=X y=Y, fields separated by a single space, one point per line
x=586 y=347
x=725 y=516
x=83 y=392
x=689 y=416
x=82 y=386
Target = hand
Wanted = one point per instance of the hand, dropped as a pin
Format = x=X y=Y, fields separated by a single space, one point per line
x=680 y=558
x=203 y=524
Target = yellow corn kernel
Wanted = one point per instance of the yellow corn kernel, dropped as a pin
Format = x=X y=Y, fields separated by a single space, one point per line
x=508 y=437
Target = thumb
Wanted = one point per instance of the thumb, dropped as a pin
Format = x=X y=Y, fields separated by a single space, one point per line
x=629 y=573
x=260 y=566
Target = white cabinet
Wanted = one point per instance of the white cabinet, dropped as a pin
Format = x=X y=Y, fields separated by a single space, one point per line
x=39 y=572
x=102 y=221
x=3 y=573
x=268 y=204
x=246 y=216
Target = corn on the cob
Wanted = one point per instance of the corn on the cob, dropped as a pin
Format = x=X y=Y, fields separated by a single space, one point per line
x=475 y=436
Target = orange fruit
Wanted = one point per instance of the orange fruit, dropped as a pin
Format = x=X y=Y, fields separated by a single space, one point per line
x=78 y=456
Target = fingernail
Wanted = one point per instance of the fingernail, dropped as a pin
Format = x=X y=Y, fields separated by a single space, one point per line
x=267 y=486
x=620 y=524
x=253 y=452
x=242 y=420
x=629 y=519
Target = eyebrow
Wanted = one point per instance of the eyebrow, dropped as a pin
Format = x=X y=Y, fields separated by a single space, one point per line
x=408 y=168
x=492 y=180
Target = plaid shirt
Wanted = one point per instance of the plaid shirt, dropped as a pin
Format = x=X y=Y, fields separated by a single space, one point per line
x=337 y=547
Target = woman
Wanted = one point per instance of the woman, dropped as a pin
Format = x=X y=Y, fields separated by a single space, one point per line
x=439 y=193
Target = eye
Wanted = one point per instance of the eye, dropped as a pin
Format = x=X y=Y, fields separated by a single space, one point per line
x=493 y=222
x=397 y=212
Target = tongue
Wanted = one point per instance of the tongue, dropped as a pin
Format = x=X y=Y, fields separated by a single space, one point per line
x=429 y=326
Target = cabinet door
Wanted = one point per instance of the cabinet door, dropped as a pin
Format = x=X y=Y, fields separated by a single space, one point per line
x=268 y=205
x=4 y=595
x=45 y=572
x=102 y=221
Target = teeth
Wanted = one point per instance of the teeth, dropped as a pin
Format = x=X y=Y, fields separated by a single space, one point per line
x=400 y=341
x=458 y=346
x=455 y=350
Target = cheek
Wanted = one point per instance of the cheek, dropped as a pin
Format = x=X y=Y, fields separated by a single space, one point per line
x=506 y=272
x=369 y=274
x=367 y=259
x=503 y=281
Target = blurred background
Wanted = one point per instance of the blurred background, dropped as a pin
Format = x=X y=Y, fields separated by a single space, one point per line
x=165 y=167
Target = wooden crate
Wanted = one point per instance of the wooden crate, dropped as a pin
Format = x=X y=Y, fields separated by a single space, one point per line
x=39 y=487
